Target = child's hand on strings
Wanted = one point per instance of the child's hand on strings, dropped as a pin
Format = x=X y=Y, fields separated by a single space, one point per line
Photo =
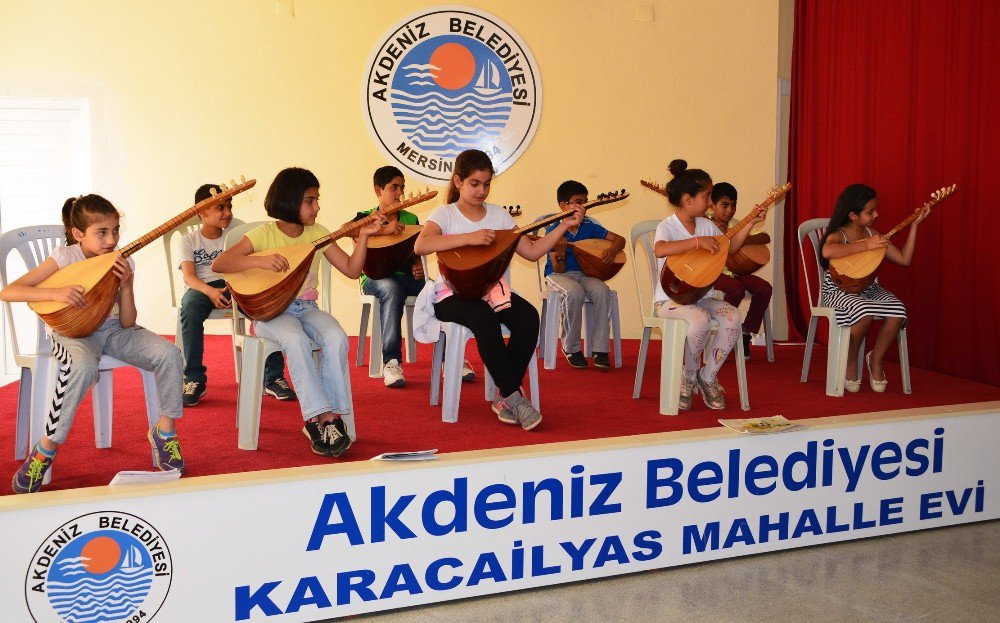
x=123 y=270
x=876 y=242
x=70 y=294
x=275 y=262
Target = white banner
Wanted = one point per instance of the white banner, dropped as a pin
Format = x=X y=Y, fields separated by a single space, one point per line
x=372 y=536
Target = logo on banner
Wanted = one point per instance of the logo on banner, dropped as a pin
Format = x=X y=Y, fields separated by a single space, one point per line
x=98 y=568
x=449 y=79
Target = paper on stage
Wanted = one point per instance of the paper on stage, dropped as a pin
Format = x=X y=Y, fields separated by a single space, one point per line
x=762 y=425
x=416 y=455
x=139 y=478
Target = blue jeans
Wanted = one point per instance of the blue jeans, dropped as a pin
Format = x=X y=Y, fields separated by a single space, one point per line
x=296 y=330
x=195 y=308
x=391 y=293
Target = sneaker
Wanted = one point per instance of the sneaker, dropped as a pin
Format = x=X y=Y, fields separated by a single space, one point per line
x=468 y=374
x=504 y=414
x=601 y=361
x=28 y=479
x=688 y=386
x=712 y=393
x=577 y=360
x=392 y=374
x=337 y=437
x=166 y=450
x=316 y=434
x=280 y=390
x=193 y=391
x=747 y=338
x=524 y=412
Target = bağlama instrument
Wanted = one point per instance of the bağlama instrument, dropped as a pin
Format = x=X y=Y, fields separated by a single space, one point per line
x=262 y=294
x=856 y=272
x=388 y=254
x=100 y=283
x=751 y=257
x=472 y=270
x=588 y=254
x=686 y=277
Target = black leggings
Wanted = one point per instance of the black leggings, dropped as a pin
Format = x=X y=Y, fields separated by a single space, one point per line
x=506 y=361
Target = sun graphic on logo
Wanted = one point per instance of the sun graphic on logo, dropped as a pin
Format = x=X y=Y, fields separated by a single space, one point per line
x=101 y=555
x=454 y=65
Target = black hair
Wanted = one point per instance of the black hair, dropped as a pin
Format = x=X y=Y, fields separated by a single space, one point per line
x=80 y=212
x=851 y=201
x=685 y=181
x=284 y=197
x=466 y=164
x=205 y=191
x=569 y=188
x=384 y=175
x=723 y=189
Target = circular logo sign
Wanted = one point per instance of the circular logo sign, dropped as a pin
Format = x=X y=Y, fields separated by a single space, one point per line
x=450 y=79
x=100 y=568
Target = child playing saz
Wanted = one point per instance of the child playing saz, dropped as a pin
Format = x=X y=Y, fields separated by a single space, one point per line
x=92 y=228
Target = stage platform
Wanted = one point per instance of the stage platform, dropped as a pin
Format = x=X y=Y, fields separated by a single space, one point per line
x=605 y=486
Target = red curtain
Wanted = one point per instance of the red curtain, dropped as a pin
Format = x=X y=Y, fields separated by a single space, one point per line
x=905 y=96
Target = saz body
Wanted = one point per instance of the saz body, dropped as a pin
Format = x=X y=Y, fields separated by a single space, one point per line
x=857 y=272
x=99 y=282
x=588 y=255
x=686 y=277
x=472 y=270
x=749 y=259
x=389 y=254
x=263 y=294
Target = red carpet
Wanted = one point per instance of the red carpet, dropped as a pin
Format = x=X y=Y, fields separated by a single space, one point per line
x=577 y=404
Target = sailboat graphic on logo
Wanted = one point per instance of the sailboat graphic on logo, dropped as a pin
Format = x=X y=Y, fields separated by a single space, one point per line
x=487 y=83
x=132 y=559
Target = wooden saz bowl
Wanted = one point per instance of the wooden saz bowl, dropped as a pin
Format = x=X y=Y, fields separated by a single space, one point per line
x=588 y=256
x=390 y=254
x=749 y=259
x=686 y=277
x=472 y=270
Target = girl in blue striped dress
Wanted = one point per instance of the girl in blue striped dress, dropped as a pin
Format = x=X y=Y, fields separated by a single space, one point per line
x=850 y=231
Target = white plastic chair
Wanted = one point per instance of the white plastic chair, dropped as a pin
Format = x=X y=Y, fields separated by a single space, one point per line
x=173 y=269
x=450 y=350
x=253 y=351
x=548 y=330
x=370 y=303
x=672 y=331
x=38 y=370
x=838 y=338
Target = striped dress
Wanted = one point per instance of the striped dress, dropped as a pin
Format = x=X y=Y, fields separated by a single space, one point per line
x=849 y=308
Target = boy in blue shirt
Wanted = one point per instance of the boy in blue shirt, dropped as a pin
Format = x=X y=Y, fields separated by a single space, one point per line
x=563 y=275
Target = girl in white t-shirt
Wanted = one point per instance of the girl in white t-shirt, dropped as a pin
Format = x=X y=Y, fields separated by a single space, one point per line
x=687 y=229
x=92 y=229
x=468 y=220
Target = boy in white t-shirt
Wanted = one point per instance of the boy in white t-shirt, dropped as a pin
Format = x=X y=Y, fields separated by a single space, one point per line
x=207 y=291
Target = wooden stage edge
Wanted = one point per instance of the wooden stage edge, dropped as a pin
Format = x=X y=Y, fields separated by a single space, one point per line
x=354 y=468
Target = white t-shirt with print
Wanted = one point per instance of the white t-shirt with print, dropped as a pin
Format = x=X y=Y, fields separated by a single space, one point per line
x=671 y=229
x=202 y=251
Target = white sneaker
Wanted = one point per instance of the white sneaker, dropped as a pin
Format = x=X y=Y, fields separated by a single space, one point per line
x=468 y=374
x=392 y=374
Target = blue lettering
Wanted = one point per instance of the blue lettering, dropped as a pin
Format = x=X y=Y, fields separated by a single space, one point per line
x=538 y=567
x=767 y=527
x=712 y=478
x=577 y=553
x=859 y=517
x=761 y=467
x=808 y=523
x=487 y=568
x=888 y=508
x=809 y=459
x=459 y=500
x=484 y=506
x=695 y=541
x=382 y=520
x=611 y=550
x=554 y=486
x=401 y=578
x=308 y=592
x=260 y=598
x=739 y=532
x=348 y=524
x=358 y=581
x=921 y=460
x=654 y=482
x=610 y=482
x=648 y=544
x=853 y=468
x=887 y=453
x=433 y=575
x=929 y=503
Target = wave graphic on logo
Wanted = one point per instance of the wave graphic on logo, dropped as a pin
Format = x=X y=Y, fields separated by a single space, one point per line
x=82 y=590
x=469 y=113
